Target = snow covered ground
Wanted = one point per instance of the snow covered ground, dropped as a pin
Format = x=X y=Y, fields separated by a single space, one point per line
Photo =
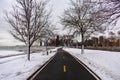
x=6 y=53
x=19 y=68
x=105 y=64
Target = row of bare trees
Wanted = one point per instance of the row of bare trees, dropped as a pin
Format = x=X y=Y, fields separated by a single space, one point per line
x=30 y=19
x=85 y=17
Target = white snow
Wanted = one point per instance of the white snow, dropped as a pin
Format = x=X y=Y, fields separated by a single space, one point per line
x=19 y=68
x=105 y=64
x=6 y=53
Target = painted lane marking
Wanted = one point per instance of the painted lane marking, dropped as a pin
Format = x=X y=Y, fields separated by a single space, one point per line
x=64 y=68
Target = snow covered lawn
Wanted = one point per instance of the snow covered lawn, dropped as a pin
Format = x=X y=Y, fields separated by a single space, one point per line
x=19 y=68
x=6 y=53
x=105 y=64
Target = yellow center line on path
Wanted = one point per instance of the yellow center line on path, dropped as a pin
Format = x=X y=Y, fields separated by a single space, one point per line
x=64 y=68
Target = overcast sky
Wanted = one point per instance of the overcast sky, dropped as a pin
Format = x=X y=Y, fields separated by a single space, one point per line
x=6 y=39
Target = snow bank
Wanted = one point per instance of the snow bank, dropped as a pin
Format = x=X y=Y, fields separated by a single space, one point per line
x=104 y=63
x=19 y=68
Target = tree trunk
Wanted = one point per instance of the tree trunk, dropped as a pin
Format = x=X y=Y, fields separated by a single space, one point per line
x=28 y=52
x=28 y=49
x=82 y=46
x=82 y=50
x=46 y=46
x=40 y=43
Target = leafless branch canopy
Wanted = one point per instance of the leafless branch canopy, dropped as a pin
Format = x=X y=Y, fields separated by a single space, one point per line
x=112 y=8
x=84 y=17
x=28 y=20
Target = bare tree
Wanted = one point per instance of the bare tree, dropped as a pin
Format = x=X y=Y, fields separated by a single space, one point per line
x=48 y=34
x=28 y=20
x=84 y=18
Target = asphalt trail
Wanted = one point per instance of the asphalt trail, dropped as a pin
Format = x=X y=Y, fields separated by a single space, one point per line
x=64 y=67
